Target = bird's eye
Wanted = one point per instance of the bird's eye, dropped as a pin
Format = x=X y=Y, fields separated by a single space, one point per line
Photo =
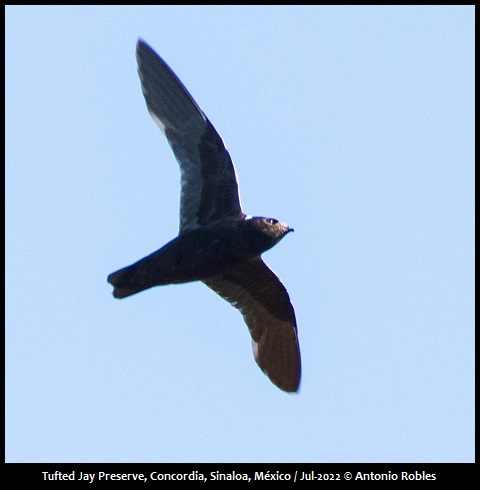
x=272 y=221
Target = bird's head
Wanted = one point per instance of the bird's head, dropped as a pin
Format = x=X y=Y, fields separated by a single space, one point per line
x=268 y=231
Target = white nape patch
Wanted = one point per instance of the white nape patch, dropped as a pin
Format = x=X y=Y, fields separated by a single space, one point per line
x=248 y=216
x=158 y=122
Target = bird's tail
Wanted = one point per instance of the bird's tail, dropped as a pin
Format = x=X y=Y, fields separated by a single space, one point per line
x=127 y=281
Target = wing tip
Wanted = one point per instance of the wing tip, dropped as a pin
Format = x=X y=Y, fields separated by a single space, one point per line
x=283 y=367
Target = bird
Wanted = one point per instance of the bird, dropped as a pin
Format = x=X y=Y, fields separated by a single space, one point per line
x=217 y=243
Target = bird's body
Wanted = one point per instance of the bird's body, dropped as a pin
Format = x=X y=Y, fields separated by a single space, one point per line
x=199 y=254
x=217 y=243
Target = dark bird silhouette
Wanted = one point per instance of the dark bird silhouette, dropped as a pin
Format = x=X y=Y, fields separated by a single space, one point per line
x=217 y=243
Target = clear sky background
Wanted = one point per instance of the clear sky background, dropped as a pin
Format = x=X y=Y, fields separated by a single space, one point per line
x=354 y=125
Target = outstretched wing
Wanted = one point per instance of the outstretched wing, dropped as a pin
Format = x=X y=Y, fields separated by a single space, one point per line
x=258 y=293
x=208 y=180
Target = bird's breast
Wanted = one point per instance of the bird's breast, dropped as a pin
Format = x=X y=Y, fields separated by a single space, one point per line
x=202 y=253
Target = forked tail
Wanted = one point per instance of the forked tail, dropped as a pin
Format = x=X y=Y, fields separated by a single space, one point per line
x=127 y=281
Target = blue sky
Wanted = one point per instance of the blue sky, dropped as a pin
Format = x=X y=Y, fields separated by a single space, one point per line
x=354 y=125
